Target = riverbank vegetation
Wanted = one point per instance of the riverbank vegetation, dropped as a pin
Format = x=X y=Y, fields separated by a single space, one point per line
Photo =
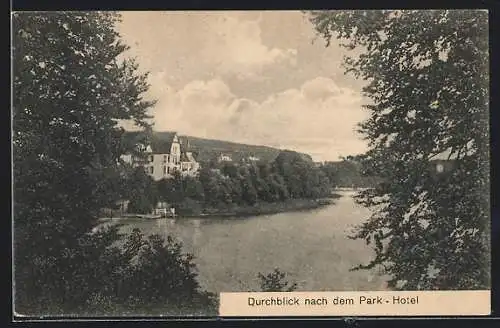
x=290 y=182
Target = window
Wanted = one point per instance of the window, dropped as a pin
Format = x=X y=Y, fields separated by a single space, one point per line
x=168 y=170
x=151 y=170
x=164 y=158
x=164 y=170
x=150 y=158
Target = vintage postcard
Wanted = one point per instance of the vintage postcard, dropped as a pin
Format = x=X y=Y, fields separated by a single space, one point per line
x=260 y=163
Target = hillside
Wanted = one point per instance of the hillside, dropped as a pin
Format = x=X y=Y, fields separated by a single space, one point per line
x=209 y=149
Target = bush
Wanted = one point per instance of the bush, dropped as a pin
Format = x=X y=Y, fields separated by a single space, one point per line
x=160 y=273
x=136 y=276
x=275 y=282
x=146 y=274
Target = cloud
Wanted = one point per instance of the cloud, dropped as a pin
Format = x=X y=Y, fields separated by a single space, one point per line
x=250 y=76
x=236 y=47
x=257 y=53
x=319 y=118
x=221 y=43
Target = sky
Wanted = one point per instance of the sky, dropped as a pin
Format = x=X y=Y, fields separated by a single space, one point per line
x=257 y=77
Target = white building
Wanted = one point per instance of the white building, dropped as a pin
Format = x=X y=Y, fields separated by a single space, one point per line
x=164 y=157
x=224 y=158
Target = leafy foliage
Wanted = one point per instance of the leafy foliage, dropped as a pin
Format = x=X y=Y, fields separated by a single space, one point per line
x=427 y=79
x=276 y=282
x=161 y=274
x=302 y=178
x=70 y=89
x=140 y=189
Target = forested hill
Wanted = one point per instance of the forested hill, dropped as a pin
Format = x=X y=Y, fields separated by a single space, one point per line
x=209 y=149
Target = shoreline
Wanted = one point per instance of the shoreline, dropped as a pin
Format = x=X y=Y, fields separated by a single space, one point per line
x=295 y=205
x=242 y=211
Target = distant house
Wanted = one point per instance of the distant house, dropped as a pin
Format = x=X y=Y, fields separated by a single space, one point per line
x=162 y=158
x=224 y=158
x=253 y=159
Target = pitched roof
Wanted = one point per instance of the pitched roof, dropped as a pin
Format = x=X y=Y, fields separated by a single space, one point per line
x=160 y=142
x=167 y=137
x=191 y=157
x=160 y=146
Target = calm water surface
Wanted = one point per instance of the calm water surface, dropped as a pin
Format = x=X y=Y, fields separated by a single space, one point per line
x=311 y=246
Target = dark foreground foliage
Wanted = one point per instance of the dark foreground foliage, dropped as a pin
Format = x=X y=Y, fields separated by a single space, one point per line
x=276 y=282
x=150 y=275
x=427 y=81
x=70 y=89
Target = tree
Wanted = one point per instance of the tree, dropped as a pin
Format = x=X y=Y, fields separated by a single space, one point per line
x=302 y=178
x=249 y=193
x=290 y=165
x=193 y=188
x=166 y=190
x=69 y=90
x=211 y=186
x=427 y=79
x=142 y=191
x=260 y=183
x=162 y=274
x=230 y=170
x=278 y=187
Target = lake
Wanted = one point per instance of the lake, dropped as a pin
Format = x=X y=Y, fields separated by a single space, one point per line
x=310 y=246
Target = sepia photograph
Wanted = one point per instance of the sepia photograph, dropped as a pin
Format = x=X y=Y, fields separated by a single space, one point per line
x=161 y=158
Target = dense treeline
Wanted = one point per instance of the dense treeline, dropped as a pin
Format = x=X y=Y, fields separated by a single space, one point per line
x=289 y=176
